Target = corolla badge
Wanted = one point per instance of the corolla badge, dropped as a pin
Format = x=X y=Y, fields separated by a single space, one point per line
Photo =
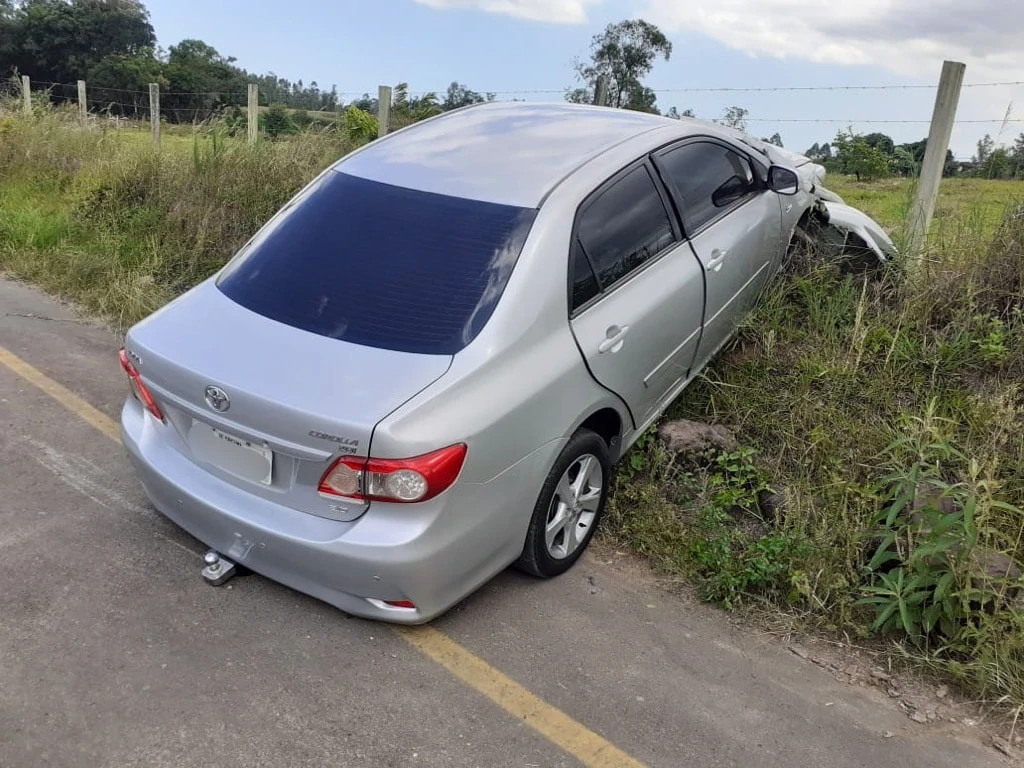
x=217 y=399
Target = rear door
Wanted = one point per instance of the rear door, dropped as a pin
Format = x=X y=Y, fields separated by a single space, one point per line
x=734 y=224
x=636 y=290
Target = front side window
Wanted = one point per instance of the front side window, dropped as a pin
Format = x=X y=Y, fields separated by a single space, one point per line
x=624 y=227
x=380 y=265
x=706 y=178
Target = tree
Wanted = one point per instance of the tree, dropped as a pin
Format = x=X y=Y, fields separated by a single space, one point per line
x=985 y=147
x=201 y=80
x=854 y=155
x=775 y=139
x=880 y=141
x=735 y=117
x=998 y=165
x=675 y=114
x=1018 y=148
x=643 y=99
x=820 y=153
x=60 y=40
x=624 y=54
x=406 y=110
x=907 y=159
x=459 y=95
x=119 y=82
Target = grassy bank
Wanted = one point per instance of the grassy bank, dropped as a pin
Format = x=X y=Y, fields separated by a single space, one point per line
x=881 y=417
x=104 y=218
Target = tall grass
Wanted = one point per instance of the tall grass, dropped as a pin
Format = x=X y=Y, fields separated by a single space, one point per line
x=120 y=226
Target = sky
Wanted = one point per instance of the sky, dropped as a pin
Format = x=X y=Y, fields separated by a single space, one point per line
x=526 y=48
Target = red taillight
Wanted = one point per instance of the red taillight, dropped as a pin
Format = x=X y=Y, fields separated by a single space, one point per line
x=400 y=604
x=400 y=480
x=139 y=390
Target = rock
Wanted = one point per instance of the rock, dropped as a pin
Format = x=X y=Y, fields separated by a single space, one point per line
x=995 y=565
x=942 y=692
x=893 y=693
x=684 y=437
x=927 y=496
x=772 y=505
x=931 y=715
x=918 y=717
x=888 y=735
x=880 y=675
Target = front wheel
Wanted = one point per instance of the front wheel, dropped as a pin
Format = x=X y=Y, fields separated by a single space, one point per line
x=569 y=508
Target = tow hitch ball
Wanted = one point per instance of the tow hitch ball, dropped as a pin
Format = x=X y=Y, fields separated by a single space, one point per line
x=217 y=569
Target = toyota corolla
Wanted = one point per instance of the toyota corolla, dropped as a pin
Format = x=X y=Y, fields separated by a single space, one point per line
x=423 y=368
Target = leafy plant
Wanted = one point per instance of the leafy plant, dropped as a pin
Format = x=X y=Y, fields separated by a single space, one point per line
x=360 y=127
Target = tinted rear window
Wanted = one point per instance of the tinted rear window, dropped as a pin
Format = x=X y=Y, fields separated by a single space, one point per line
x=381 y=265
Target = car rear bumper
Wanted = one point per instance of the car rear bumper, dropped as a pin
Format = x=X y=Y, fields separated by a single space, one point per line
x=432 y=554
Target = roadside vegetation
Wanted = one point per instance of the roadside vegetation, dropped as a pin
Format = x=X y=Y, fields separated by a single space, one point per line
x=877 y=485
x=878 y=478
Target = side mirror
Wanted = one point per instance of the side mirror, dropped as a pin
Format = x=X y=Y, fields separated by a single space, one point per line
x=783 y=180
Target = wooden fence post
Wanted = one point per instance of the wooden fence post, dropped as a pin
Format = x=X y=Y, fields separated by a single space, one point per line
x=83 y=106
x=26 y=93
x=601 y=92
x=154 y=112
x=383 y=110
x=253 y=112
x=943 y=116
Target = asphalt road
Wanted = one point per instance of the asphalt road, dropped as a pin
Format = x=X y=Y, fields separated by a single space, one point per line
x=114 y=652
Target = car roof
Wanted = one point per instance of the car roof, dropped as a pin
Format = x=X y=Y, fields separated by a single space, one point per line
x=512 y=152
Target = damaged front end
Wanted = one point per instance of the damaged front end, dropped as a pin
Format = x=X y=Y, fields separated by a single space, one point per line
x=828 y=227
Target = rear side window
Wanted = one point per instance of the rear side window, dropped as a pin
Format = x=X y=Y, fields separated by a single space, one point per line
x=380 y=265
x=708 y=178
x=584 y=282
x=624 y=226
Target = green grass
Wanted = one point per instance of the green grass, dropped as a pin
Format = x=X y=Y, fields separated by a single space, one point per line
x=848 y=392
x=979 y=204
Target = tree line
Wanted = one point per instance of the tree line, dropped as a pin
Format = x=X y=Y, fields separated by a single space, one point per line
x=112 y=45
x=875 y=155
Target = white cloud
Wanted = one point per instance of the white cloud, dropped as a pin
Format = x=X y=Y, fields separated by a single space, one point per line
x=557 y=11
x=909 y=36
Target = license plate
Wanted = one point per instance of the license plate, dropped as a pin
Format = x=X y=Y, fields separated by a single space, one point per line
x=249 y=460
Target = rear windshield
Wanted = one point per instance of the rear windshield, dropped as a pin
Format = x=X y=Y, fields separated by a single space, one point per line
x=381 y=265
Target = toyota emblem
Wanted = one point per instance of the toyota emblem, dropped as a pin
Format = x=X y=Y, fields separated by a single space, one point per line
x=217 y=399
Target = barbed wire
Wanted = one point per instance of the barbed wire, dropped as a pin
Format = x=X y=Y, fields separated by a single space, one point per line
x=540 y=91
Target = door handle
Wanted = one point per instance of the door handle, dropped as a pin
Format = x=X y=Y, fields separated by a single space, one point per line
x=613 y=342
x=717 y=257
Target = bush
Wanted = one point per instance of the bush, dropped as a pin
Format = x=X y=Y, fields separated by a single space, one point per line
x=278 y=121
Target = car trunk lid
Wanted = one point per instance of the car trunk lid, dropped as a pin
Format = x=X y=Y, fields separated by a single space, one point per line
x=267 y=406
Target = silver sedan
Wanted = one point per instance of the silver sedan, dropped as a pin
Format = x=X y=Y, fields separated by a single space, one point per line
x=423 y=368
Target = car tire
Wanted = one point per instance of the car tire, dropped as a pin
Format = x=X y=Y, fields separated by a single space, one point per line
x=569 y=507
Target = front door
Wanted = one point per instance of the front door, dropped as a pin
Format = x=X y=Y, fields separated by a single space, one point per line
x=637 y=295
x=734 y=223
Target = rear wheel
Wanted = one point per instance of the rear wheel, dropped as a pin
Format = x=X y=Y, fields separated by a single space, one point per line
x=569 y=508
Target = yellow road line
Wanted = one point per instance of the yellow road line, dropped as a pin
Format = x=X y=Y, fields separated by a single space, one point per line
x=549 y=721
x=61 y=394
